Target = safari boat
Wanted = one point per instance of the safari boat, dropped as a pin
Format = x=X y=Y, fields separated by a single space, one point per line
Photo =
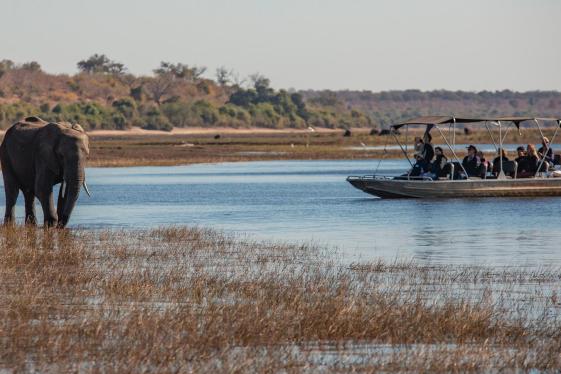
x=545 y=182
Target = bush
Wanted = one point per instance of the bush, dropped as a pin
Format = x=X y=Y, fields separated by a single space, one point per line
x=154 y=120
x=264 y=115
x=207 y=113
x=178 y=113
x=126 y=107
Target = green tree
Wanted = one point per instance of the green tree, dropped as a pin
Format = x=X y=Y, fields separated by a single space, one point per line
x=126 y=107
x=180 y=71
x=101 y=64
x=31 y=66
x=223 y=76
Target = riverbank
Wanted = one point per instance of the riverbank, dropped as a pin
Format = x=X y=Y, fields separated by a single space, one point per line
x=187 y=146
x=183 y=299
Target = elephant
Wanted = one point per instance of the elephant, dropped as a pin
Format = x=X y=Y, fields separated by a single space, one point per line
x=36 y=155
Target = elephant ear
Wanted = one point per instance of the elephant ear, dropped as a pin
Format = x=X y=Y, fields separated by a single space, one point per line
x=47 y=155
x=46 y=148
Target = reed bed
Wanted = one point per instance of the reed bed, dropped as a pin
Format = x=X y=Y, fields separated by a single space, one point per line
x=182 y=299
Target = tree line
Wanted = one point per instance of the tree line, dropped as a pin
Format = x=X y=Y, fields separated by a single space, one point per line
x=105 y=95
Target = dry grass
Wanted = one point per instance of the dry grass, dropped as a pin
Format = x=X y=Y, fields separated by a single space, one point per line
x=181 y=299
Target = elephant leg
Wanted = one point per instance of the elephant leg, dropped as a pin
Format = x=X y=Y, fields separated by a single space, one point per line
x=30 y=218
x=60 y=201
x=44 y=192
x=11 y=190
x=49 y=213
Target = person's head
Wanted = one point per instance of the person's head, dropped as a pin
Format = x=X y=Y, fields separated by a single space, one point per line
x=472 y=151
x=438 y=151
x=501 y=152
x=531 y=150
x=521 y=151
x=479 y=154
x=545 y=141
x=418 y=140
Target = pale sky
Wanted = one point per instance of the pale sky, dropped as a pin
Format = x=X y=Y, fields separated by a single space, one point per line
x=328 y=44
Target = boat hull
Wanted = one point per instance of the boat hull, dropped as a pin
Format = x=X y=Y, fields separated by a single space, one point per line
x=396 y=188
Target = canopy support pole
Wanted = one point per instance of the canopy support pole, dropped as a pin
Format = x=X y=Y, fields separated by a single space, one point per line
x=506 y=132
x=548 y=146
x=539 y=128
x=501 y=172
x=492 y=137
x=402 y=150
x=454 y=131
x=452 y=150
x=407 y=139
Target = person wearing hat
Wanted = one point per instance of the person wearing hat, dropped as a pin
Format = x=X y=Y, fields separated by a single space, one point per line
x=471 y=162
x=545 y=151
x=421 y=166
x=532 y=161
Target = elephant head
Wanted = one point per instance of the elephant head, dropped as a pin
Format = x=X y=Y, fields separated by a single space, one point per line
x=63 y=150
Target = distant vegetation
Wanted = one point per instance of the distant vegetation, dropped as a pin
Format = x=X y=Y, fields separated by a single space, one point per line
x=385 y=108
x=104 y=95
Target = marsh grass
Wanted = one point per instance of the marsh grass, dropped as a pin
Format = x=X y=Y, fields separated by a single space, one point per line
x=184 y=299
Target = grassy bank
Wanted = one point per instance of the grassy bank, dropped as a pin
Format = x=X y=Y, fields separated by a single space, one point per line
x=158 y=149
x=180 y=299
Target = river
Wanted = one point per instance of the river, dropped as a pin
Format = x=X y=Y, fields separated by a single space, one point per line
x=310 y=201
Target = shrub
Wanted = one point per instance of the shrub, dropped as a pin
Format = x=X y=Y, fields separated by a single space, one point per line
x=154 y=120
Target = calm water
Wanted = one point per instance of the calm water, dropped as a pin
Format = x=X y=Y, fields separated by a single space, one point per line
x=311 y=201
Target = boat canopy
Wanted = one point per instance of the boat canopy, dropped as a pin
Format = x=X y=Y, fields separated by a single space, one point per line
x=440 y=120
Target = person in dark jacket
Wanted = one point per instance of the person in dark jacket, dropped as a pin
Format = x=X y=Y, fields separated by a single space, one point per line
x=471 y=162
x=545 y=151
x=485 y=165
x=501 y=155
x=438 y=168
x=428 y=149
x=521 y=160
x=532 y=162
x=421 y=166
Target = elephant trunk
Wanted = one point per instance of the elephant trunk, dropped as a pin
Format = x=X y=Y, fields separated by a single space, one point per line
x=74 y=178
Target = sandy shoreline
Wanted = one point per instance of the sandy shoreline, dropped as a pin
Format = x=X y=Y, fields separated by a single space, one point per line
x=137 y=131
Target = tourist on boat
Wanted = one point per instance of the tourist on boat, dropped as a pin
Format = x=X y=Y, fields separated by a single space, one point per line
x=439 y=166
x=424 y=147
x=501 y=155
x=419 y=145
x=471 y=162
x=546 y=151
x=521 y=160
x=485 y=164
x=428 y=149
x=421 y=166
x=531 y=163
